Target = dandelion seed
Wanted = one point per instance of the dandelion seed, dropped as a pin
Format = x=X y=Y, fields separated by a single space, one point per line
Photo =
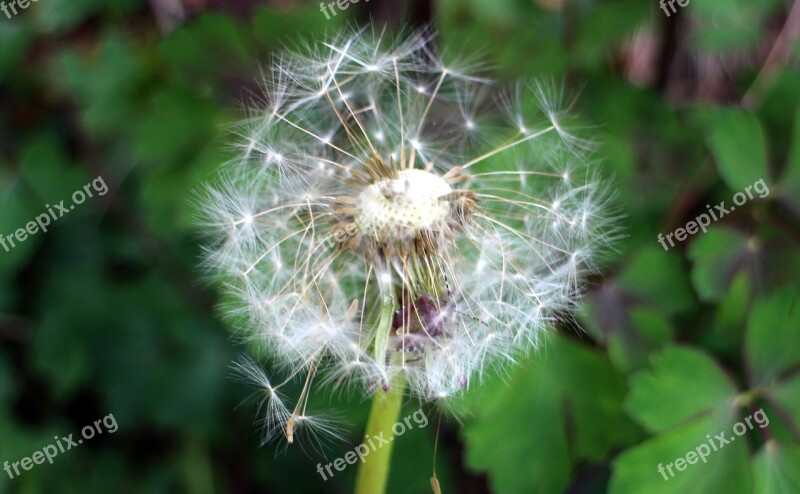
x=386 y=237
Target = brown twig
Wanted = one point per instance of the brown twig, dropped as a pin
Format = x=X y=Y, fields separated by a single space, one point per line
x=778 y=53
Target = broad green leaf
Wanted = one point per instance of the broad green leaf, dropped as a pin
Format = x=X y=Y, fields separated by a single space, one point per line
x=716 y=257
x=688 y=400
x=731 y=315
x=17 y=211
x=630 y=345
x=103 y=83
x=604 y=27
x=47 y=171
x=727 y=26
x=274 y=28
x=568 y=403
x=529 y=45
x=659 y=278
x=683 y=383
x=210 y=36
x=786 y=394
x=14 y=40
x=780 y=101
x=515 y=462
x=173 y=124
x=60 y=350
x=60 y=15
x=738 y=143
x=776 y=469
x=772 y=353
x=496 y=12
x=773 y=330
x=652 y=325
x=790 y=182
x=725 y=470
x=791 y=176
x=412 y=458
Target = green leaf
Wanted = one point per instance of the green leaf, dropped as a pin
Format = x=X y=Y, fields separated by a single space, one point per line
x=725 y=470
x=60 y=348
x=605 y=26
x=787 y=395
x=659 y=278
x=731 y=315
x=728 y=26
x=790 y=182
x=792 y=173
x=683 y=383
x=189 y=48
x=776 y=469
x=716 y=256
x=272 y=27
x=103 y=82
x=412 y=458
x=15 y=40
x=515 y=462
x=17 y=210
x=174 y=124
x=771 y=345
x=60 y=15
x=47 y=171
x=567 y=400
x=529 y=44
x=738 y=143
x=629 y=345
x=688 y=400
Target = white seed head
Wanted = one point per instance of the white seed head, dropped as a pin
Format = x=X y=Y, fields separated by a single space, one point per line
x=384 y=216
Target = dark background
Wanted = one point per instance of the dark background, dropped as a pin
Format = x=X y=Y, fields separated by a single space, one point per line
x=108 y=313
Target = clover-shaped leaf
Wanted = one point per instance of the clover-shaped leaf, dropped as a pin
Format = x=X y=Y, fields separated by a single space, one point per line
x=683 y=384
x=716 y=258
x=775 y=469
x=739 y=146
x=691 y=405
x=564 y=406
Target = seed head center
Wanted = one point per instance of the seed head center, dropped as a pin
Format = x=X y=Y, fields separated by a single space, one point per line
x=414 y=201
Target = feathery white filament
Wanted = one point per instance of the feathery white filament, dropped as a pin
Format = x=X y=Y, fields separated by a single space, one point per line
x=374 y=172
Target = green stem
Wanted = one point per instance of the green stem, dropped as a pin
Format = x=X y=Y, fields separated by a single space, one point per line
x=374 y=472
x=385 y=411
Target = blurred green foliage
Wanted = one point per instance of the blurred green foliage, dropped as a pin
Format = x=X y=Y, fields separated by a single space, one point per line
x=108 y=313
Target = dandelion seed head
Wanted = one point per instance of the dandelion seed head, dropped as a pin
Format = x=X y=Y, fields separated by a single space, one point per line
x=413 y=201
x=370 y=226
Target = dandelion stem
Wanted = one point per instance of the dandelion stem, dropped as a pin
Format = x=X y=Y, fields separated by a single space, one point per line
x=374 y=473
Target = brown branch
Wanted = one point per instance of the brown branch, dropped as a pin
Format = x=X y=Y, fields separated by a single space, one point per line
x=777 y=54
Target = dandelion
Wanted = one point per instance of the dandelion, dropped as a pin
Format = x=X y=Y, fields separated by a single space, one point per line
x=390 y=225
